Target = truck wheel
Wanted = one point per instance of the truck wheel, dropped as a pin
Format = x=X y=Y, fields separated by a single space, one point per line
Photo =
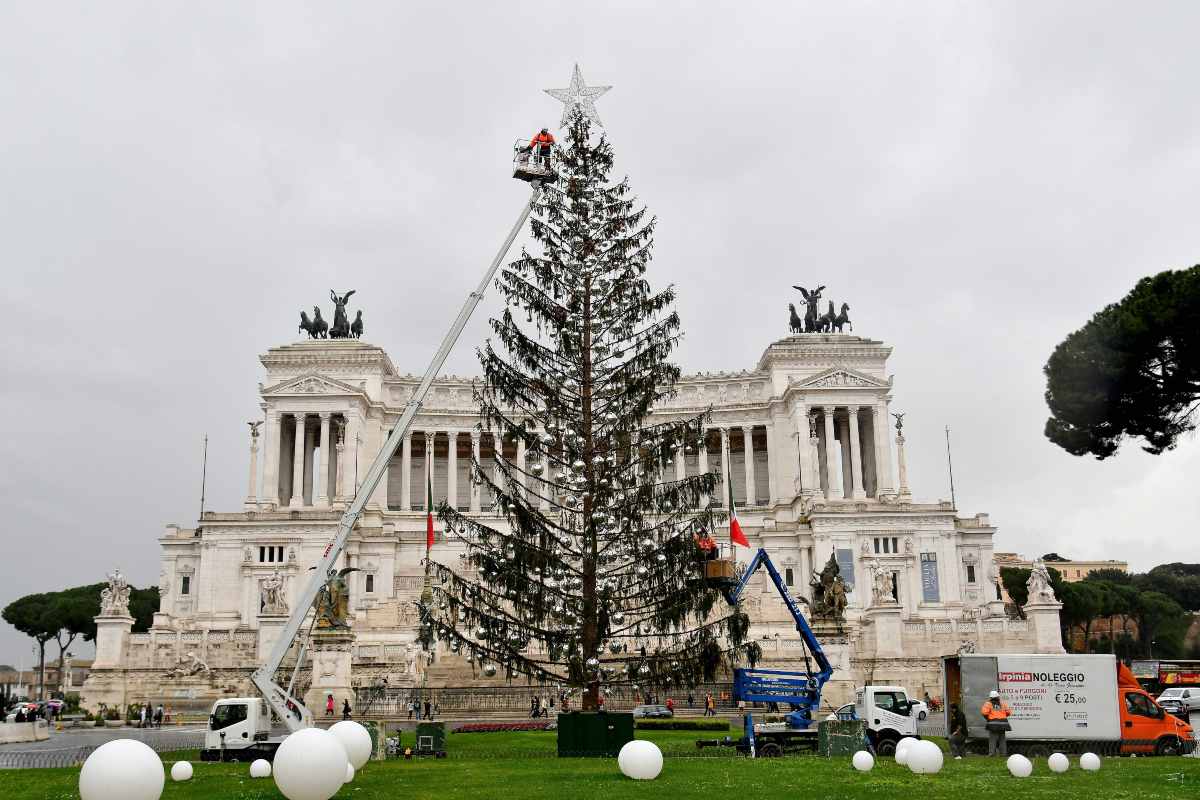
x=770 y=750
x=886 y=747
x=1168 y=746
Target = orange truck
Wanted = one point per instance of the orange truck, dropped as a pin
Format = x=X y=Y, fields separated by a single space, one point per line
x=1067 y=702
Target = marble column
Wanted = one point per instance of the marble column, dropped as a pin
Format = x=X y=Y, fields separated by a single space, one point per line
x=406 y=473
x=843 y=450
x=883 y=443
x=272 y=452
x=806 y=452
x=702 y=463
x=310 y=465
x=452 y=468
x=748 y=449
x=476 y=504
x=832 y=479
x=430 y=440
x=856 y=466
x=298 y=463
x=680 y=457
x=904 y=493
x=321 y=493
x=726 y=474
x=252 y=489
x=342 y=471
x=814 y=445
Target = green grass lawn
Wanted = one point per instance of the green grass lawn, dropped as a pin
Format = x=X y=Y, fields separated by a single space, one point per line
x=522 y=766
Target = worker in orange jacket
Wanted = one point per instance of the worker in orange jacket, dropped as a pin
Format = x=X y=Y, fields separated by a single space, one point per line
x=541 y=143
x=995 y=714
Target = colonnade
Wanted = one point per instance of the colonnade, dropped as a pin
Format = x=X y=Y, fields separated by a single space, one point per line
x=308 y=463
x=847 y=454
x=312 y=459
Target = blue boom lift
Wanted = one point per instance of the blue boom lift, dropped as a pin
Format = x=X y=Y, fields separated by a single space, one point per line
x=800 y=690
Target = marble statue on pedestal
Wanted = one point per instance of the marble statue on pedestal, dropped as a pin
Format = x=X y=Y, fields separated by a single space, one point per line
x=272 y=595
x=883 y=586
x=1038 y=585
x=114 y=598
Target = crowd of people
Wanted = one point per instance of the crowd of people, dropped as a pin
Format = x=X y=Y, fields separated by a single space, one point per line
x=150 y=716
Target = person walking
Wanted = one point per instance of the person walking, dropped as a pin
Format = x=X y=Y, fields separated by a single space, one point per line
x=158 y=716
x=427 y=707
x=995 y=713
x=958 y=732
x=142 y=715
x=345 y=708
x=410 y=709
x=329 y=705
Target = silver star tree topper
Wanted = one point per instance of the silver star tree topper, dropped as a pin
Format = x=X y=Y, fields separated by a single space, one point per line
x=578 y=96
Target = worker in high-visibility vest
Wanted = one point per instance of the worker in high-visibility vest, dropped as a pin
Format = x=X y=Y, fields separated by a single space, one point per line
x=995 y=713
x=540 y=145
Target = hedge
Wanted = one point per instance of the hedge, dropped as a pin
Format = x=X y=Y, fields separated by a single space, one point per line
x=497 y=727
x=683 y=724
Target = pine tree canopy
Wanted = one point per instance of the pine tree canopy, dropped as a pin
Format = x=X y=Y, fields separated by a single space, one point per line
x=597 y=578
x=1132 y=371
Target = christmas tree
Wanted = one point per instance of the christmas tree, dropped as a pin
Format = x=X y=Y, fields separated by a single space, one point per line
x=598 y=578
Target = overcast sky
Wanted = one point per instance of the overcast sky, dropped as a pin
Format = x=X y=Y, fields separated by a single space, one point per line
x=178 y=180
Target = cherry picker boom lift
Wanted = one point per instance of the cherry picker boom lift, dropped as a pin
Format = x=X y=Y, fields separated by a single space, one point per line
x=245 y=724
x=800 y=690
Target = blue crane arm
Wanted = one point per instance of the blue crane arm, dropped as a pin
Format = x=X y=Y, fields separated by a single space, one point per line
x=761 y=559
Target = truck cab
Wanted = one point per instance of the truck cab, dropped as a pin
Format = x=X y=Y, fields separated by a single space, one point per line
x=887 y=712
x=1148 y=728
x=239 y=729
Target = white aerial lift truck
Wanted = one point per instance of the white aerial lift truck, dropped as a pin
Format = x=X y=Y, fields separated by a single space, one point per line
x=239 y=728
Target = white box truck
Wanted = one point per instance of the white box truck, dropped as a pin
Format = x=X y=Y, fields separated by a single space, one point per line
x=1063 y=702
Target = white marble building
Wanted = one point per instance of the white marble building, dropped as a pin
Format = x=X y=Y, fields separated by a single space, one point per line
x=816 y=465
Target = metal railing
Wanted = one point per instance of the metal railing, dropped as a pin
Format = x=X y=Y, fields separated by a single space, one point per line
x=41 y=758
x=392 y=702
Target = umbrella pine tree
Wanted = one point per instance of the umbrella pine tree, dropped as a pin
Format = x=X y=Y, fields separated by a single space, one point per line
x=597 y=578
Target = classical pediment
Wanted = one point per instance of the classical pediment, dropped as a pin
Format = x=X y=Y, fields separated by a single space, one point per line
x=841 y=377
x=311 y=384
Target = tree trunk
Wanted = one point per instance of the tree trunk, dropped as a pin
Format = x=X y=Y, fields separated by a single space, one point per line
x=41 y=692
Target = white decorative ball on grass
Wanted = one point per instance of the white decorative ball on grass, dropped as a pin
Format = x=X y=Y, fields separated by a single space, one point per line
x=925 y=758
x=261 y=768
x=181 y=771
x=357 y=741
x=310 y=765
x=1020 y=766
x=1058 y=762
x=122 y=769
x=863 y=761
x=640 y=760
x=902 y=748
x=1089 y=762
x=349 y=772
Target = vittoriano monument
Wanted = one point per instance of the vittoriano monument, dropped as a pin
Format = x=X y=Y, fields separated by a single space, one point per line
x=814 y=321
x=342 y=328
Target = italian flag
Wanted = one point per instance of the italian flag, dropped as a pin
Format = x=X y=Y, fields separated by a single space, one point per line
x=735 y=530
x=428 y=514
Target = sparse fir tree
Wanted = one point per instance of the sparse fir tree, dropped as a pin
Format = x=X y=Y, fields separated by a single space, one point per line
x=598 y=579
